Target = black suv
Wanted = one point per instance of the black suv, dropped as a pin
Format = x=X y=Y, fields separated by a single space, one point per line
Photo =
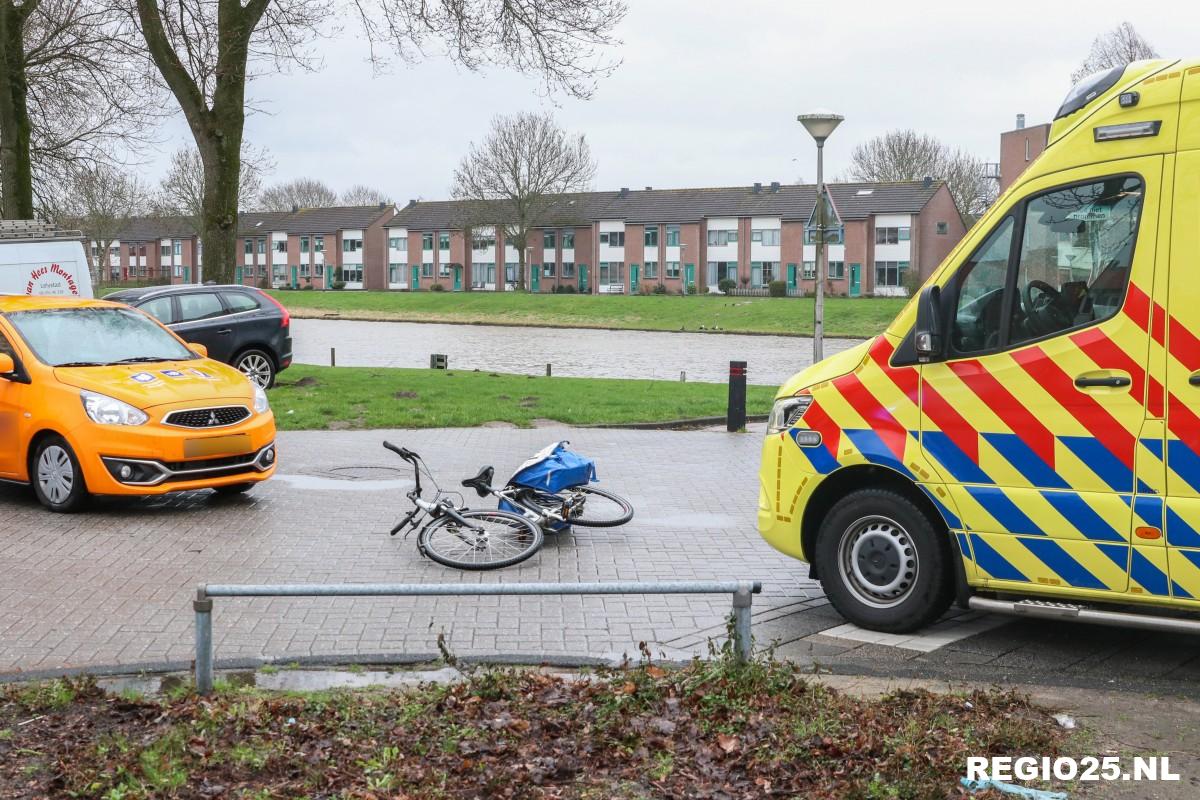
x=239 y=325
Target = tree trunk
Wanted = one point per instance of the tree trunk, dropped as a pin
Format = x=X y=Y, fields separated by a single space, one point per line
x=16 y=169
x=219 y=206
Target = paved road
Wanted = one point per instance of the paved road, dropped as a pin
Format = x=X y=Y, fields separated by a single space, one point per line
x=112 y=586
x=573 y=352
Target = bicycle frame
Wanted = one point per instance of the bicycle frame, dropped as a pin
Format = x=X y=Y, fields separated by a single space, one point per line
x=438 y=507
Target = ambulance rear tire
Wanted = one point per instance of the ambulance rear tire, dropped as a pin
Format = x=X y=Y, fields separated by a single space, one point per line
x=884 y=564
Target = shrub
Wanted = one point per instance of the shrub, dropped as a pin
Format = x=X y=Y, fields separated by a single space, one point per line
x=912 y=282
x=337 y=286
x=777 y=288
x=437 y=287
x=565 y=289
x=659 y=289
x=726 y=285
x=691 y=288
x=307 y=285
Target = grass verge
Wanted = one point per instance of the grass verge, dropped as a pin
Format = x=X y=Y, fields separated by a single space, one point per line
x=322 y=398
x=713 y=729
x=849 y=317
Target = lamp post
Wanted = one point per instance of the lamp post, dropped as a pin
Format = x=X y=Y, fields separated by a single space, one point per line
x=683 y=288
x=820 y=124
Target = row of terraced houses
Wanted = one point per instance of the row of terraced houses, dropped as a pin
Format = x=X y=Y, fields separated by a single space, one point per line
x=617 y=242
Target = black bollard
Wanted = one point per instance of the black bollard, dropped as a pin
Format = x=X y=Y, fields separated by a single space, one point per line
x=735 y=415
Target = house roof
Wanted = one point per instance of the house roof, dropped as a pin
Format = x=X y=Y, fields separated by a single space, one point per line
x=790 y=202
x=305 y=220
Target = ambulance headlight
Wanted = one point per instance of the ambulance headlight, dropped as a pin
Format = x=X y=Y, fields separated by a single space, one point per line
x=787 y=411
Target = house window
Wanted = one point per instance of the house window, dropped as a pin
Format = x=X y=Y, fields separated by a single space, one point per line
x=767 y=236
x=303 y=270
x=721 y=271
x=549 y=240
x=319 y=244
x=444 y=240
x=890 y=273
x=178 y=248
x=762 y=273
x=164 y=251
x=568 y=269
x=443 y=270
x=832 y=235
x=281 y=245
x=484 y=242
x=510 y=272
x=612 y=273
x=352 y=273
x=483 y=274
x=426 y=241
x=261 y=247
x=548 y=269
x=178 y=271
x=943 y=228
x=351 y=245
x=395 y=273
x=672 y=269
x=249 y=246
x=249 y=270
x=672 y=232
x=613 y=238
x=568 y=240
x=319 y=270
x=398 y=243
x=810 y=271
x=427 y=270
x=891 y=235
x=651 y=237
x=651 y=269
x=837 y=270
x=303 y=244
x=722 y=238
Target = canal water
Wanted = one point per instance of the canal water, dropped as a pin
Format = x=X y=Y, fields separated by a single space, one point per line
x=574 y=352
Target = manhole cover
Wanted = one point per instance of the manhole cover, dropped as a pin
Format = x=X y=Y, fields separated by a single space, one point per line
x=365 y=473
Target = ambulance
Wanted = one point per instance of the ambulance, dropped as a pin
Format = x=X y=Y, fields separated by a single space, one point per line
x=1025 y=436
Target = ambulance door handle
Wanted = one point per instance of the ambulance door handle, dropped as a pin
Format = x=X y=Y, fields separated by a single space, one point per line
x=1105 y=381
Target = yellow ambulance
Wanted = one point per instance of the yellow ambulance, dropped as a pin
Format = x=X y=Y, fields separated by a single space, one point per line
x=1025 y=436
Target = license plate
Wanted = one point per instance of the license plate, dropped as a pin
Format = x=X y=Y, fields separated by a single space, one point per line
x=233 y=445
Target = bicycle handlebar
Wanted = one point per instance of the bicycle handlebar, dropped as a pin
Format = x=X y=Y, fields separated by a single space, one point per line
x=403 y=452
x=404 y=522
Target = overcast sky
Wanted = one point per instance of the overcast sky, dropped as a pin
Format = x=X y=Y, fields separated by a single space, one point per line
x=708 y=92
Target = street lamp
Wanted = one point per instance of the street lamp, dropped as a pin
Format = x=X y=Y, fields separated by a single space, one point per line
x=820 y=124
x=683 y=287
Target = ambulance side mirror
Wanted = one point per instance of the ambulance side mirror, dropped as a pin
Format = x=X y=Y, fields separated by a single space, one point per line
x=928 y=335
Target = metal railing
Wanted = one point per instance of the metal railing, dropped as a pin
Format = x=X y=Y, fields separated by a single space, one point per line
x=742 y=592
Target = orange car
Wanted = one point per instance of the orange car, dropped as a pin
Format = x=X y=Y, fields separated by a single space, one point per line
x=98 y=398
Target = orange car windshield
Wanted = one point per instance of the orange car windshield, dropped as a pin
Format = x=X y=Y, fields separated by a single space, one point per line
x=94 y=336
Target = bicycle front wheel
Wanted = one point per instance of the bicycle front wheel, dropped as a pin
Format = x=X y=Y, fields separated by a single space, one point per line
x=598 y=509
x=503 y=539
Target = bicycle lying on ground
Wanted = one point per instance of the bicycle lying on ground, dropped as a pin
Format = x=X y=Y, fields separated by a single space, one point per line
x=464 y=538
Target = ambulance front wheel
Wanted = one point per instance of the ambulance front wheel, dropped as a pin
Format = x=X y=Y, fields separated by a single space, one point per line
x=883 y=562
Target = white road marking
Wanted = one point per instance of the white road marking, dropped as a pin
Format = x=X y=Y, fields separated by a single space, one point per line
x=928 y=639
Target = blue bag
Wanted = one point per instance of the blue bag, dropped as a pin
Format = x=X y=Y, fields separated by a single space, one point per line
x=555 y=468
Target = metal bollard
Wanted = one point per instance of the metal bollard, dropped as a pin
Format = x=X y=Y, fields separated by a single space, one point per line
x=333 y=356
x=735 y=414
x=439 y=361
x=742 y=640
x=683 y=376
x=547 y=370
x=203 y=606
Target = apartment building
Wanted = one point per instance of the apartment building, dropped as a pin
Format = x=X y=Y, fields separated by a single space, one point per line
x=635 y=241
x=1019 y=147
x=315 y=247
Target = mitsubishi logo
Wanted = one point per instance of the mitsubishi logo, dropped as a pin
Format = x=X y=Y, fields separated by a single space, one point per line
x=212 y=419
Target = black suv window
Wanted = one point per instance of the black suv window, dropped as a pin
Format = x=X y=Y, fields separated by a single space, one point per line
x=239 y=302
x=199 y=305
x=161 y=308
x=1071 y=269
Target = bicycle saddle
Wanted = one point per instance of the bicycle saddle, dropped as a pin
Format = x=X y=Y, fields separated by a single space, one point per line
x=481 y=482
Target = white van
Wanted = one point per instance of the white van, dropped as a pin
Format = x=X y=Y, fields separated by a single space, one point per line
x=38 y=258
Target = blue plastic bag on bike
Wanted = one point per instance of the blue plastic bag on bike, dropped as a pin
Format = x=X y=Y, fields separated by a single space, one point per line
x=555 y=468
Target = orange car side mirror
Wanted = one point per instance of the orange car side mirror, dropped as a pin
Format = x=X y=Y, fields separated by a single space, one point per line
x=7 y=367
x=198 y=349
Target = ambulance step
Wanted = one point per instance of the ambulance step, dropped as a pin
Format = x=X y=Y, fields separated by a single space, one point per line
x=1070 y=612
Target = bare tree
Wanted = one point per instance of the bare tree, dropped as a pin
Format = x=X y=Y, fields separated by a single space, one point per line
x=72 y=92
x=182 y=190
x=906 y=155
x=298 y=193
x=1120 y=46
x=102 y=199
x=206 y=50
x=519 y=176
x=362 y=195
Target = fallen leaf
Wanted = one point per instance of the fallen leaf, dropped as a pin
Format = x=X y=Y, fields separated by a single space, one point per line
x=728 y=743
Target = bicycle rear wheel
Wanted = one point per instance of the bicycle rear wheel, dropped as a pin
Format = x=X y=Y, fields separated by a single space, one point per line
x=600 y=509
x=504 y=539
